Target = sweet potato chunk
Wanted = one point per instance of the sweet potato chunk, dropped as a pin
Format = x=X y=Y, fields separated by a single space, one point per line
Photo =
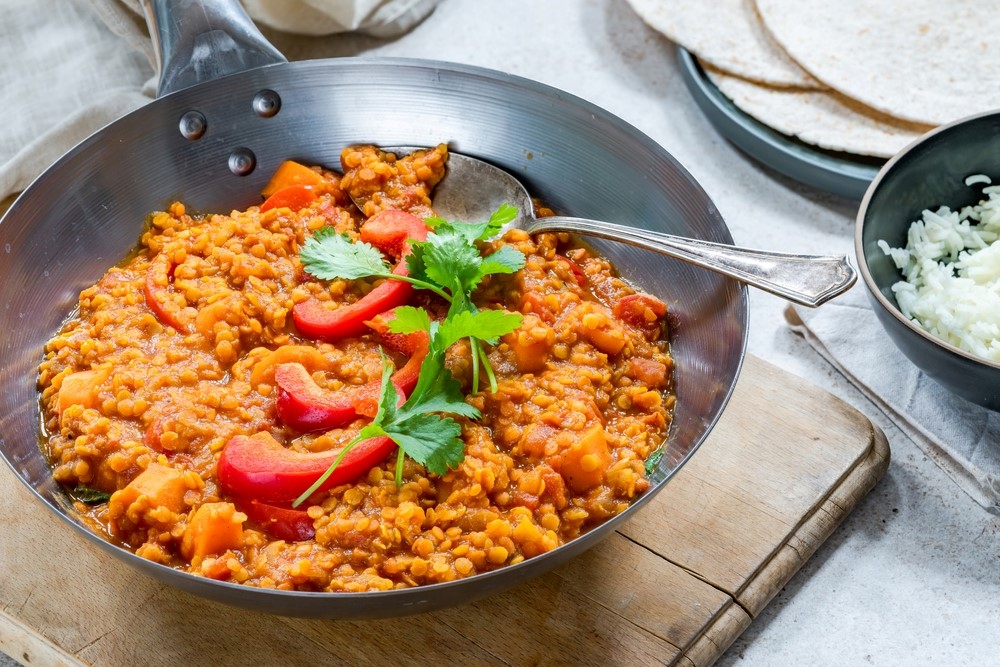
x=163 y=485
x=81 y=388
x=531 y=344
x=151 y=499
x=600 y=329
x=214 y=529
x=291 y=173
x=584 y=464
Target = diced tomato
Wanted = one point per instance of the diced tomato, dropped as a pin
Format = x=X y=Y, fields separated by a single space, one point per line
x=641 y=311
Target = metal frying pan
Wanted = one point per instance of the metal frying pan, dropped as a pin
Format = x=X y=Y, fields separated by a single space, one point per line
x=214 y=144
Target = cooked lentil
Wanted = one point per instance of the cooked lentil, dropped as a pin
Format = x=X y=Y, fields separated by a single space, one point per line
x=138 y=402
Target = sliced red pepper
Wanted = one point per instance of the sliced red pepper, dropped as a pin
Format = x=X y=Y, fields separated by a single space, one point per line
x=161 y=270
x=259 y=467
x=390 y=232
x=284 y=523
x=305 y=406
x=415 y=345
x=294 y=196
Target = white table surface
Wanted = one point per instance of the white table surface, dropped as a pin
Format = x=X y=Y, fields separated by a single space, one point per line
x=911 y=577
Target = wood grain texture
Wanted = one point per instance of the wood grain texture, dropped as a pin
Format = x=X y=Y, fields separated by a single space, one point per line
x=676 y=585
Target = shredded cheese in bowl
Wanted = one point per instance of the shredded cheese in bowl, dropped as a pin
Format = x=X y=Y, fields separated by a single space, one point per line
x=951 y=266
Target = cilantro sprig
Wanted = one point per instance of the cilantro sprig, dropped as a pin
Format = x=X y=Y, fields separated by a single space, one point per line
x=450 y=264
x=420 y=426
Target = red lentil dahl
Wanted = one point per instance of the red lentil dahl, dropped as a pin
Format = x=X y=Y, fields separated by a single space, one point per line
x=172 y=354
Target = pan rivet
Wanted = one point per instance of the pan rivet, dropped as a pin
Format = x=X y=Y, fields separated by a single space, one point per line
x=242 y=161
x=266 y=103
x=193 y=125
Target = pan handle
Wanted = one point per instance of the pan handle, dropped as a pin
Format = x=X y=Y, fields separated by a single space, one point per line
x=197 y=41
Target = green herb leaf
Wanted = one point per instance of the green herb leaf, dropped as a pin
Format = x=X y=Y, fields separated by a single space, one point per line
x=450 y=259
x=504 y=260
x=409 y=319
x=506 y=213
x=450 y=264
x=431 y=440
x=328 y=255
x=90 y=495
x=653 y=461
x=487 y=325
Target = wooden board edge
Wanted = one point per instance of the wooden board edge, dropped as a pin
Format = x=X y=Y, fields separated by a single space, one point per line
x=29 y=647
x=719 y=634
x=716 y=637
x=817 y=526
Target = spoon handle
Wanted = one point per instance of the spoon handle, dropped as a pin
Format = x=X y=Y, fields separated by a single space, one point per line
x=808 y=280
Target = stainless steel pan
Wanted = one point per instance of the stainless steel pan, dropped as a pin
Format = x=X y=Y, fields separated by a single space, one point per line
x=214 y=144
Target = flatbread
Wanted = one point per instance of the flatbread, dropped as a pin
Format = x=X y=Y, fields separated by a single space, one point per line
x=726 y=33
x=928 y=61
x=821 y=118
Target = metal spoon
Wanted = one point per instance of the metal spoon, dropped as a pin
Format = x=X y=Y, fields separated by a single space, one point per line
x=473 y=189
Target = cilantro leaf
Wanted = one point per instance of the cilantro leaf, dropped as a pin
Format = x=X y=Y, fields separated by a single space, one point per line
x=506 y=213
x=450 y=264
x=449 y=259
x=408 y=319
x=442 y=394
x=328 y=255
x=388 y=397
x=487 y=325
x=431 y=440
x=504 y=260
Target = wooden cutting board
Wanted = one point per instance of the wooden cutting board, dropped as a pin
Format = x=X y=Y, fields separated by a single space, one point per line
x=676 y=585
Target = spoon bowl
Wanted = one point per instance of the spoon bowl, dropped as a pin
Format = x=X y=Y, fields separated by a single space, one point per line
x=473 y=189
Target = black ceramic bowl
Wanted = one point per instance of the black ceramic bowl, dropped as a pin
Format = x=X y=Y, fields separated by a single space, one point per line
x=929 y=173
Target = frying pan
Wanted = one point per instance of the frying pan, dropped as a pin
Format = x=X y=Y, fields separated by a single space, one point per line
x=230 y=110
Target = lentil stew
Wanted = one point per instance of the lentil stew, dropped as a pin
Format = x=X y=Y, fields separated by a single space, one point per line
x=190 y=345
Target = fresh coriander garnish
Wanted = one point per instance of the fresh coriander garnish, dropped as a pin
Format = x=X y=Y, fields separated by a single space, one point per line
x=449 y=263
x=417 y=427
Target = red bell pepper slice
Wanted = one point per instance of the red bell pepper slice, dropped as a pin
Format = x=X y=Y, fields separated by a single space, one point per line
x=389 y=231
x=415 y=345
x=259 y=467
x=161 y=270
x=305 y=406
x=294 y=197
x=284 y=523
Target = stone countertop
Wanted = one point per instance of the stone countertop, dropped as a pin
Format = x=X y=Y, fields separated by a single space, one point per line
x=910 y=577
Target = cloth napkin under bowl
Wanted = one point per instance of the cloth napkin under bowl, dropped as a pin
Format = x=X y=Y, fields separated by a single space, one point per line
x=961 y=437
x=70 y=67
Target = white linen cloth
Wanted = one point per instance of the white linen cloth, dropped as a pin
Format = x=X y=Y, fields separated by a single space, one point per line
x=69 y=67
x=961 y=437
